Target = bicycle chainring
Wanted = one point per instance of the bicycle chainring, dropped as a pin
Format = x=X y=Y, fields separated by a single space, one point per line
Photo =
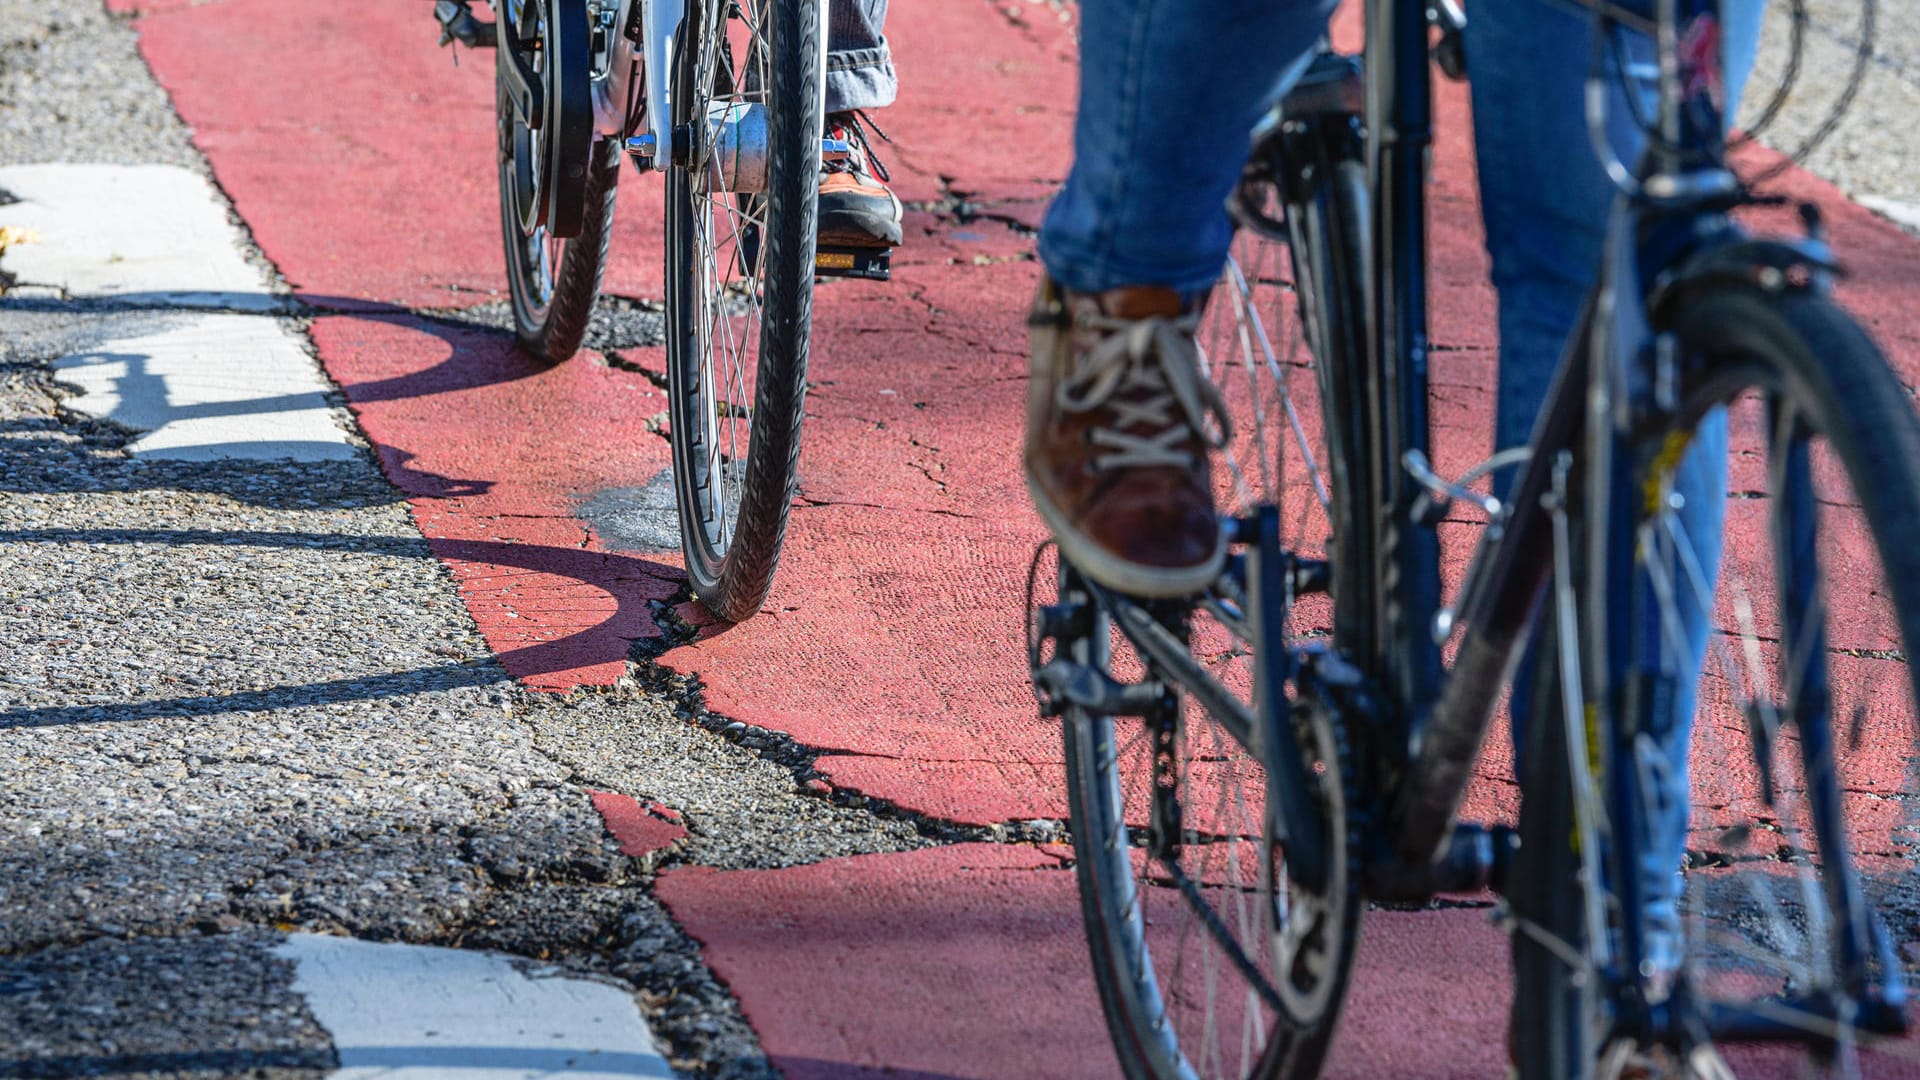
x=1312 y=924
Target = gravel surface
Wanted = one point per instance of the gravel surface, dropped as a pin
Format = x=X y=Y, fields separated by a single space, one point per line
x=617 y=322
x=1870 y=152
x=113 y=1007
x=73 y=88
x=243 y=696
x=238 y=698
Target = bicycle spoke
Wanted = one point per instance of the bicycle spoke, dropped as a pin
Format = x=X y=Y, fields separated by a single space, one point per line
x=1772 y=908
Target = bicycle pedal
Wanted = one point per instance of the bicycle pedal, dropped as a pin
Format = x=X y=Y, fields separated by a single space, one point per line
x=873 y=264
x=458 y=24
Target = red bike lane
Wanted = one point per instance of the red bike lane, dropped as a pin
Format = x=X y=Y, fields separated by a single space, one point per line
x=361 y=158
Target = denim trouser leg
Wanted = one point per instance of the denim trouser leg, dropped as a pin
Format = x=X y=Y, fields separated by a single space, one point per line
x=1545 y=200
x=1169 y=90
x=859 y=65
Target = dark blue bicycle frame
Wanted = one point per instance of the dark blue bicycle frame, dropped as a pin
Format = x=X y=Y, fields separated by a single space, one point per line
x=1670 y=221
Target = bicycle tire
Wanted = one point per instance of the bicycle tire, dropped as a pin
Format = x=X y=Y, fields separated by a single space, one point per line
x=1248 y=344
x=1330 y=238
x=556 y=187
x=1134 y=911
x=733 y=508
x=1805 y=352
x=1332 y=242
x=551 y=327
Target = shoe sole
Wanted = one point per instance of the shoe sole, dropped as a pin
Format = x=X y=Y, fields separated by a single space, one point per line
x=1132 y=579
x=859 y=230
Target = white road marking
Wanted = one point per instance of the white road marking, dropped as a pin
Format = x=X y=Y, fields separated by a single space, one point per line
x=154 y=240
x=151 y=234
x=1901 y=212
x=407 y=1012
x=209 y=386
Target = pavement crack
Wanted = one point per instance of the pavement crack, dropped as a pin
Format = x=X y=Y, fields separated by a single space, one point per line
x=1015 y=16
x=619 y=362
x=685 y=692
x=810 y=502
x=958 y=206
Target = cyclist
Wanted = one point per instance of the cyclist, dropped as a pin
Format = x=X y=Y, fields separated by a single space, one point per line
x=1119 y=414
x=857 y=209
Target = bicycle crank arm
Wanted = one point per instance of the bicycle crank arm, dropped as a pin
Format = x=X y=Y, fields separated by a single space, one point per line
x=524 y=88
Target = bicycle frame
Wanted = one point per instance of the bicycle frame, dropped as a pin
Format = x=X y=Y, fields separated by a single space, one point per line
x=1667 y=231
x=1566 y=530
x=641 y=47
x=1602 y=377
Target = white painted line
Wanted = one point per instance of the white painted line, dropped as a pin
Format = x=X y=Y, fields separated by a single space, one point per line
x=154 y=234
x=1901 y=213
x=203 y=385
x=406 y=1012
x=208 y=386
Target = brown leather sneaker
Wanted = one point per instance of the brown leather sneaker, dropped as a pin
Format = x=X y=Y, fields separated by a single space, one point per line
x=857 y=209
x=1120 y=422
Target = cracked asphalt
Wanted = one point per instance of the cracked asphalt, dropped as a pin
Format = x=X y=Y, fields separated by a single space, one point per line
x=239 y=699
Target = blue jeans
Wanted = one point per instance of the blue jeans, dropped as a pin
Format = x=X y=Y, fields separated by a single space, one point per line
x=1169 y=90
x=859 y=63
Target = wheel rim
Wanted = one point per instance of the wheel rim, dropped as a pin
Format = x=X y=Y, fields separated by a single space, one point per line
x=534 y=260
x=1174 y=957
x=1191 y=1010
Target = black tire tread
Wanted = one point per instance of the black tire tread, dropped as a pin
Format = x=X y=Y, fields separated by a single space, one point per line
x=1340 y=203
x=736 y=587
x=577 y=286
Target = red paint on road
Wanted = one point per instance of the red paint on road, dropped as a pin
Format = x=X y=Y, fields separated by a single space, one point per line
x=361 y=157
x=951 y=962
x=968 y=961
x=891 y=641
x=495 y=452
x=641 y=828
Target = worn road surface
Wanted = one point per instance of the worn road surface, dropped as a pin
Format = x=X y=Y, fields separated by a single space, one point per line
x=353 y=715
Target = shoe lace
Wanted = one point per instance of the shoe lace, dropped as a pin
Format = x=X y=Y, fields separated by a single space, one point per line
x=853 y=125
x=1147 y=373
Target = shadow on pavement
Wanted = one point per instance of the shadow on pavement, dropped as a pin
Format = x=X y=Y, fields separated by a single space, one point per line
x=203 y=1062
x=608 y=640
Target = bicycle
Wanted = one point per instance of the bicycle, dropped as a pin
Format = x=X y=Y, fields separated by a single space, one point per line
x=726 y=98
x=1247 y=768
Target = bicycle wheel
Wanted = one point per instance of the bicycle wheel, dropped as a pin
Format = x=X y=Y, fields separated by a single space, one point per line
x=1211 y=959
x=1281 y=307
x=1798 y=769
x=557 y=187
x=740 y=248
